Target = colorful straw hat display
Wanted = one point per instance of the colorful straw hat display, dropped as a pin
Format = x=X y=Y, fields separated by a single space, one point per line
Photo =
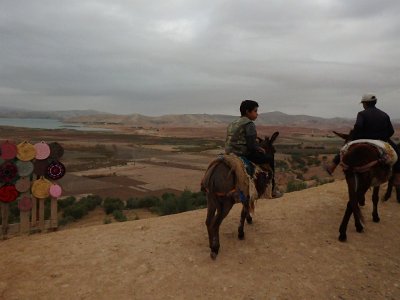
x=8 y=150
x=41 y=188
x=25 y=151
x=8 y=193
x=42 y=150
x=8 y=172
x=25 y=168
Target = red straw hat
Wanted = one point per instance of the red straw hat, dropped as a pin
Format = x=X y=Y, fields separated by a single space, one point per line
x=8 y=172
x=8 y=193
x=8 y=150
x=42 y=150
x=25 y=203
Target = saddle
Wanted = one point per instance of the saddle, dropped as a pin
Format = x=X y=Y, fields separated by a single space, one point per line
x=251 y=179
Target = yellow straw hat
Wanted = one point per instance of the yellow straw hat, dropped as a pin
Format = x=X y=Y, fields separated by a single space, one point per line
x=41 y=188
x=25 y=151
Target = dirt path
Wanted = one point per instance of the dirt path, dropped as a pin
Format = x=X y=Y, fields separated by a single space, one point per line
x=290 y=252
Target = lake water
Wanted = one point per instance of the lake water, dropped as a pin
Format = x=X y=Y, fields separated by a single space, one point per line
x=46 y=124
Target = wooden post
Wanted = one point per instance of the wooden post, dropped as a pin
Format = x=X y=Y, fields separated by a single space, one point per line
x=53 y=215
x=41 y=214
x=4 y=219
x=34 y=212
x=24 y=225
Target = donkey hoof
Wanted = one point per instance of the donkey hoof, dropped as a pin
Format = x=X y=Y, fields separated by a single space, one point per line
x=342 y=237
x=213 y=255
x=249 y=220
x=241 y=235
x=376 y=219
x=359 y=229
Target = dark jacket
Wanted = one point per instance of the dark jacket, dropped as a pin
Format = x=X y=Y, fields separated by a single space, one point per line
x=372 y=123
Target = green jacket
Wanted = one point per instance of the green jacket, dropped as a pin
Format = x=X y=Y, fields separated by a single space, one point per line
x=236 y=137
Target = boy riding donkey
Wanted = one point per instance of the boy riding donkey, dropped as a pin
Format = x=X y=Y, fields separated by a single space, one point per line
x=242 y=140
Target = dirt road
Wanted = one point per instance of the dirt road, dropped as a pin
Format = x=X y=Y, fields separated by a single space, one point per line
x=290 y=252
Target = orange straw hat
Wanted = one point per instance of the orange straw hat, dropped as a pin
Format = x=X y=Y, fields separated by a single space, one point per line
x=42 y=150
x=41 y=188
x=25 y=151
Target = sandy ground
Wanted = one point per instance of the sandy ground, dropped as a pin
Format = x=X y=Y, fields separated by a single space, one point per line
x=290 y=252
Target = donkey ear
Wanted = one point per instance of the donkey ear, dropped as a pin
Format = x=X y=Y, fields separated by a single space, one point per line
x=274 y=136
x=341 y=135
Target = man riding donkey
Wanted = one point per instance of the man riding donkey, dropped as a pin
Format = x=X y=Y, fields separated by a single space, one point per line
x=242 y=140
x=372 y=123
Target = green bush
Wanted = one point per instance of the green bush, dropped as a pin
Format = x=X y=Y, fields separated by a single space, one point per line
x=63 y=203
x=65 y=220
x=91 y=201
x=119 y=216
x=295 y=186
x=107 y=220
x=144 y=202
x=111 y=204
x=76 y=211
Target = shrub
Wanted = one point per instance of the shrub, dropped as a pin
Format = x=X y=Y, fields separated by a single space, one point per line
x=295 y=186
x=91 y=201
x=111 y=204
x=63 y=203
x=147 y=202
x=119 y=216
x=107 y=220
x=76 y=211
x=65 y=220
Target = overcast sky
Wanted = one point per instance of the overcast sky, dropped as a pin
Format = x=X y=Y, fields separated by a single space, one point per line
x=313 y=57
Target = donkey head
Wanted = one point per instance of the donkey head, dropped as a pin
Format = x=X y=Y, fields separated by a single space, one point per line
x=344 y=136
x=267 y=143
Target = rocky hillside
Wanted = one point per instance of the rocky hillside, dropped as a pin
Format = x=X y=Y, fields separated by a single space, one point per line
x=290 y=252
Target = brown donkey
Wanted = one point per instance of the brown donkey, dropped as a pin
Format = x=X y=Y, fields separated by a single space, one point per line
x=220 y=199
x=363 y=168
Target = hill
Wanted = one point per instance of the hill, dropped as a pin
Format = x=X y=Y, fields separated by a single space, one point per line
x=290 y=252
x=205 y=120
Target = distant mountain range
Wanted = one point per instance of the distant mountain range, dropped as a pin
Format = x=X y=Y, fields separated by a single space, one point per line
x=184 y=120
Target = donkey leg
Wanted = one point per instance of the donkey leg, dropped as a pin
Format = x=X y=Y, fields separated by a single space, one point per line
x=345 y=222
x=375 y=200
x=211 y=209
x=223 y=208
x=388 y=193
x=243 y=215
x=398 y=193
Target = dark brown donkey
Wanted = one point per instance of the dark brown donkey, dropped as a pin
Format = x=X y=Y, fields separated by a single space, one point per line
x=220 y=199
x=363 y=169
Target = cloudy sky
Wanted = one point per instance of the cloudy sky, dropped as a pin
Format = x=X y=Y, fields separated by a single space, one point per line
x=313 y=57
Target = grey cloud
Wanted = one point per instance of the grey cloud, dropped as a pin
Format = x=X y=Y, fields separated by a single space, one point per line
x=311 y=57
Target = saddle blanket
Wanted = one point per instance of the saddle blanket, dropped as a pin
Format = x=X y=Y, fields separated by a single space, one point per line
x=247 y=187
x=387 y=152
